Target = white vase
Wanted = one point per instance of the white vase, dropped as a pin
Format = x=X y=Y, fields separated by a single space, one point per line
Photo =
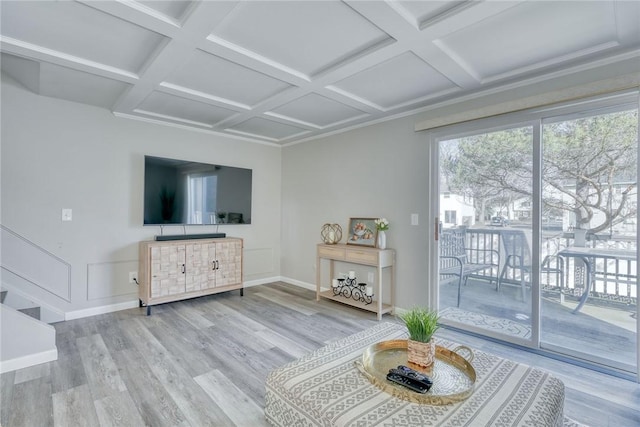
x=382 y=240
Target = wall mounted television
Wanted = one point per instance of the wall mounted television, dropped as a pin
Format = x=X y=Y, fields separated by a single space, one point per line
x=183 y=192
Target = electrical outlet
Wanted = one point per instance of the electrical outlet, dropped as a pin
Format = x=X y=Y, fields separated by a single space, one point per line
x=370 y=277
x=133 y=276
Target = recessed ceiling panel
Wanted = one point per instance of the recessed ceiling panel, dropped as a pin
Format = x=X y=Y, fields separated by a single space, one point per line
x=77 y=86
x=79 y=30
x=56 y=81
x=216 y=76
x=24 y=71
x=318 y=110
x=174 y=106
x=532 y=35
x=174 y=9
x=396 y=81
x=266 y=128
x=306 y=36
x=423 y=11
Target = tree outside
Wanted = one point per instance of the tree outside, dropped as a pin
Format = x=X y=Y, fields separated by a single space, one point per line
x=588 y=169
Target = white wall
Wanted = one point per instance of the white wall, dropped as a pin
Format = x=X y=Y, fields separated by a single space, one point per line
x=58 y=154
x=28 y=342
x=377 y=171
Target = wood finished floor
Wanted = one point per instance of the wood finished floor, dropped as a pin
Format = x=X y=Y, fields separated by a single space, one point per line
x=203 y=362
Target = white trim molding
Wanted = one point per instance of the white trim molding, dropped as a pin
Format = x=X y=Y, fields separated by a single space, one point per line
x=628 y=81
x=29 y=360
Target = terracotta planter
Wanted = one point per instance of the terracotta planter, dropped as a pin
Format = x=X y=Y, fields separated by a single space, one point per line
x=421 y=353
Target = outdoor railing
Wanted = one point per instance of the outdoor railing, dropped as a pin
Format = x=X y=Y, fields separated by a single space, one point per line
x=614 y=281
x=481 y=243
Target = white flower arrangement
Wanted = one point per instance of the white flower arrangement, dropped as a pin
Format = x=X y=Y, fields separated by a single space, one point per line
x=382 y=224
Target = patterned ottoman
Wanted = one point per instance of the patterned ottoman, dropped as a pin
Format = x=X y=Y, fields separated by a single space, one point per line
x=324 y=388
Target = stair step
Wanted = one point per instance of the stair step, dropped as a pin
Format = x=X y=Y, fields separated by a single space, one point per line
x=3 y=295
x=33 y=312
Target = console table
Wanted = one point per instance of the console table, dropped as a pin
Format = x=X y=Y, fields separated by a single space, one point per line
x=379 y=258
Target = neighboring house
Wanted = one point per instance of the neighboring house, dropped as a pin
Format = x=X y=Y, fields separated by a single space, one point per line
x=456 y=210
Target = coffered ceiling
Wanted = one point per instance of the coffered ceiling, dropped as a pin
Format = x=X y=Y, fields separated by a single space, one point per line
x=279 y=72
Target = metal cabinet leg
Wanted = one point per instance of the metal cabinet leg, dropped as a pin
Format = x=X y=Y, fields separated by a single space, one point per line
x=148 y=310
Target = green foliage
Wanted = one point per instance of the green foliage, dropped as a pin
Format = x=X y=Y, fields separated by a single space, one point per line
x=421 y=323
x=586 y=160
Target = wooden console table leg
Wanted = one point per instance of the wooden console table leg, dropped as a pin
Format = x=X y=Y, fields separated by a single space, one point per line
x=392 y=281
x=379 y=293
x=318 y=266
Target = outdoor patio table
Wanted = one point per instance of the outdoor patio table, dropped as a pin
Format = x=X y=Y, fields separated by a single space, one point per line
x=589 y=256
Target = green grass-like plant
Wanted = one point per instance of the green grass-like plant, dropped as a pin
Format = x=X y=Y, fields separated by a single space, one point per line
x=421 y=323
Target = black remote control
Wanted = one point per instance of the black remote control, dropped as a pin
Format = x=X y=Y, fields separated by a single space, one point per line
x=411 y=384
x=414 y=376
x=411 y=373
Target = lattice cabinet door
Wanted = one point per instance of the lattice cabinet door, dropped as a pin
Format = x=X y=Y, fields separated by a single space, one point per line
x=213 y=265
x=229 y=260
x=196 y=267
x=201 y=266
x=167 y=270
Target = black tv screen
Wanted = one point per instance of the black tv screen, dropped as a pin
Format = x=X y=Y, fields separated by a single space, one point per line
x=193 y=193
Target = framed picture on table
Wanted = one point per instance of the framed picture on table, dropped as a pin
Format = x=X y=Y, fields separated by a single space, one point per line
x=362 y=232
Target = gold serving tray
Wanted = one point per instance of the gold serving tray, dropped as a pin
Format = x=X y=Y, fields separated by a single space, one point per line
x=453 y=376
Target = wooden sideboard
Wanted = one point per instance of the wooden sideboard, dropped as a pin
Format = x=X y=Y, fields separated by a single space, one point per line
x=378 y=258
x=181 y=269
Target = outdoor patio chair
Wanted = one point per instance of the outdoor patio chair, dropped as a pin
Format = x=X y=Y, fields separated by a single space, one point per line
x=518 y=260
x=458 y=262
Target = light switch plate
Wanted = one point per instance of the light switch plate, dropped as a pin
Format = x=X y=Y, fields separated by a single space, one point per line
x=414 y=219
x=67 y=214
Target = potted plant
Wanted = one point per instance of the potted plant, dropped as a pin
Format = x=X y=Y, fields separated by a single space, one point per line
x=382 y=225
x=421 y=324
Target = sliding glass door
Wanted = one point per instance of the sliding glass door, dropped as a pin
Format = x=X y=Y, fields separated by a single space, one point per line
x=589 y=196
x=537 y=229
x=485 y=238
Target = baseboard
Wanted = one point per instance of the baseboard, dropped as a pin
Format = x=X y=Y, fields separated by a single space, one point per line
x=94 y=311
x=300 y=283
x=309 y=286
x=250 y=283
x=30 y=360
